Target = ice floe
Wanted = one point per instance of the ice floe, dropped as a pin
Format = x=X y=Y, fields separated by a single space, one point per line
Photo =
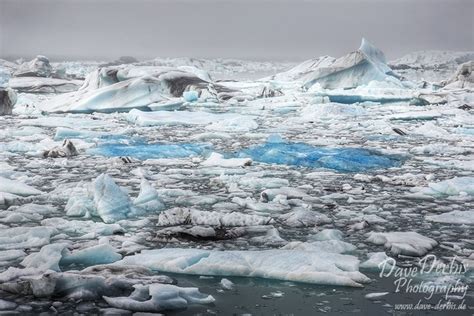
x=289 y=265
x=403 y=243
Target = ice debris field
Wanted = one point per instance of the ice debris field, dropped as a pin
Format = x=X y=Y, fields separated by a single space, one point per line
x=183 y=184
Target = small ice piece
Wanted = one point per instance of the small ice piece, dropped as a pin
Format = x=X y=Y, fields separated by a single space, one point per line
x=37 y=67
x=46 y=259
x=7 y=305
x=95 y=255
x=454 y=186
x=330 y=246
x=25 y=237
x=190 y=96
x=453 y=217
x=159 y=297
x=148 y=199
x=304 y=218
x=111 y=202
x=327 y=234
x=375 y=295
x=17 y=187
x=233 y=124
x=286 y=265
x=227 y=284
x=181 y=216
x=403 y=243
x=216 y=159
x=8 y=98
x=376 y=261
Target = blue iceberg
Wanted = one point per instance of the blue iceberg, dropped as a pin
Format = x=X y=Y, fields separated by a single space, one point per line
x=276 y=151
x=143 y=151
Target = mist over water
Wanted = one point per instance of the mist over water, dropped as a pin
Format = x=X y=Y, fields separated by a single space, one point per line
x=264 y=30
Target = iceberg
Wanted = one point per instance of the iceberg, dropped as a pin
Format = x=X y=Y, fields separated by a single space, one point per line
x=403 y=243
x=216 y=159
x=112 y=89
x=159 y=297
x=285 y=265
x=450 y=187
x=25 y=237
x=453 y=217
x=171 y=118
x=37 y=67
x=300 y=154
x=8 y=99
x=105 y=199
x=355 y=69
x=185 y=216
x=17 y=188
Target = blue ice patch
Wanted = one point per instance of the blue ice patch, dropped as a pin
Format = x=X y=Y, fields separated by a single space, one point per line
x=304 y=155
x=152 y=151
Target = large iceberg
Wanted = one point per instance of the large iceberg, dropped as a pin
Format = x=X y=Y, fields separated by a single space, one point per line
x=288 y=265
x=114 y=89
x=360 y=67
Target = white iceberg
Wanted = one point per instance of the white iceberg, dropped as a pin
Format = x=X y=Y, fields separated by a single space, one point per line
x=403 y=243
x=287 y=265
x=159 y=297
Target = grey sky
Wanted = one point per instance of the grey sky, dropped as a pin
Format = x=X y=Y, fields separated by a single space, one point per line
x=259 y=29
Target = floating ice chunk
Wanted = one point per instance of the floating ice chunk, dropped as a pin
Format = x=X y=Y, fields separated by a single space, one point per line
x=111 y=203
x=7 y=305
x=286 y=265
x=331 y=111
x=179 y=117
x=453 y=217
x=17 y=188
x=105 y=199
x=227 y=284
x=38 y=67
x=148 y=199
x=8 y=99
x=10 y=255
x=463 y=78
x=216 y=159
x=304 y=218
x=290 y=193
x=300 y=154
x=375 y=295
x=376 y=261
x=190 y=96
x=151 y=151
x=327 y=234
x=159 y=297
x=100 y=254
x=233 y=124
x=403 y=243
x=271 y=237
x=82 y=227
x=25 y=237
x=454 y=186
x=332 y=246
x=44 y=85
x=46 y=259
x=4 y=78
x=354 y=69
x=416 y=115
x=181 y=216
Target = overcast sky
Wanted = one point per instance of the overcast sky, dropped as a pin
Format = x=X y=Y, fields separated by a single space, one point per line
x=257 y=29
